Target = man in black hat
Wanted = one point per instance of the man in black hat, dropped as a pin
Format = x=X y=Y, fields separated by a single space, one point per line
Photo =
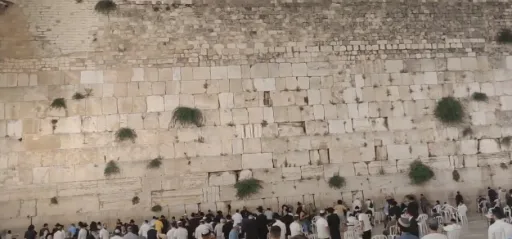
x=261 y=223
x=333 y=220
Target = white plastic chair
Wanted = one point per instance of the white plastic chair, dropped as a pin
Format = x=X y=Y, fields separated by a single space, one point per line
x=379 y=237
x=422 y=224
x=507 y=211
x=378 y=217
x=440 y=220
x=455 y=234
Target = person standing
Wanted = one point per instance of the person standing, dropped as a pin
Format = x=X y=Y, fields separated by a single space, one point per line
x=366 y=226
x=44 y=231
x=322 y=227
x=333 y=220
x=458 y=199
x=117 y=234
x=281 y=225
x=499 y=227
x=235 y=231
x=143 y=229
x=275 y=232
x=59 y=233
x=296 y=227
x=492 y=195
x=218 y=229
x=226 y=229
x=8 y=235
x=130 y=234
x=170 y=233
x=82 y=233
x=152 y=233
x=340 y=210
x=424 y=203
x=261 y=223
x=433 y=227
x=403 y=224
x=181 y=232
x=104 y=234
x=237 y=218
x=30 y=233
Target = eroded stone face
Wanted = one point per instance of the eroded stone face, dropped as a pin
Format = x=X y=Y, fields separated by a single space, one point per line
x=290 y=96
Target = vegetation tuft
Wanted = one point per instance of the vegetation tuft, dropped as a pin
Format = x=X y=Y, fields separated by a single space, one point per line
x=111 y=169
x=247 y=187
x=506 y=140
x=419 y=173
x=187 y=115
x=336 y=181
x=455 y=175
x=449 y=110
x=155 y=163
x=78 y=96
x=54 y=200
x=135 y=200
x=105 y=6
x=59 y=103
x=503 y=166
x=504 y=36
x=123 y=134
x=156 y=208
x=479 y=96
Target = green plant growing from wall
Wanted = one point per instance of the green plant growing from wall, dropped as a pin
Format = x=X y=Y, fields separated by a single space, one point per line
x=59 y=103
x=419 y=173
x=247 y=187
x=504 y=36
x=54 y=201
x=123 y=134
x=187 y=116
x=135 y=200
x=449 y=110
x=105 y=7
x=78 y=96
x=503 y=166
x=479 y=96
x=111 y=169
x=155 y=163
x=156 y=208
x=506 y=140
x=455 y=175
x=336 y=181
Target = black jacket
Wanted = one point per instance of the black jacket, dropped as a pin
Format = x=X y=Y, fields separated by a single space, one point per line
x=227 y=228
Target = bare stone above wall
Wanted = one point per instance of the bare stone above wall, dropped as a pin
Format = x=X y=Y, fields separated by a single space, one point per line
x=291 y=94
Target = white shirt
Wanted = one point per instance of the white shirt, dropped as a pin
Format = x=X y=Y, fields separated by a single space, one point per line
x=200 y=229
x=58 y=235
x=170 y=233
x=452 y=227
x=218 y=230
x=269 y=214
x=281 y=225
x=295 y=229
x=82 y=234
x=143 y=230
x=365 y=219
x=434 y=236
x=8 y=236
x=351 y=220
x=181 y=233
x=500 y=227
x=322 y=228
x=116 y=237
x=462 y=208
x=104 y=234
x=237 y=218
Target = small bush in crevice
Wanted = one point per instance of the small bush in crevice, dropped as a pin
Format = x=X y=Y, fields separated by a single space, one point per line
x=78 y=96
x=186 y=116
x=455 y=175
x=155 y=163
x=123 y=134
x=111 y=169
x=54 y=200
x=479 y=96
x=247 y=187
x=506 y=140
x=156 y=208
x=504 y=36
x=336 y=181
x=449 y=110
x=105 y=6
x=59 y=103
x=135 y=200
x=503 y=166
x=467 y=131
x=419 y=173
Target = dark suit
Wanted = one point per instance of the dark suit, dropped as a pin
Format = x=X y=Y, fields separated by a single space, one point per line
x=334 y=222
x=261 y=223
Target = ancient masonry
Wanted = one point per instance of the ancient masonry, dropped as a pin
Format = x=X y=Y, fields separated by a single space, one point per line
x=292 y=94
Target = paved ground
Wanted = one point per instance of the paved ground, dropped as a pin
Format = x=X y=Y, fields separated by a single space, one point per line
x=476 y=229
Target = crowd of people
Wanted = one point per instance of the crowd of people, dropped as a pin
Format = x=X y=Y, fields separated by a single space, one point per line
x=299 y=222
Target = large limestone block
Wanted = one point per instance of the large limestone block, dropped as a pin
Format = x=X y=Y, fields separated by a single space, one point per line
x=67 y=204
x=318 y=68
x=291 y=173
x=258 y=160
x=399 y=152
x=36 y=142
x=489 y=146
x=265 y=84
x=292 y=159
x=77 y=188
x=317 y=128
x=259 y=70
x=206 y=101
x=223 y=163
x=177 y=197
x=299 y=69
x=120 y=201
x=393 y=66
x=273 y=145
x=68 y=125
x=14 y=128
x=91 y=77
x=10 y=209
x=312 y=171
x=223 y=178
x=269 y=175
x=245 y=174
x=155 y=103
x=443 y=148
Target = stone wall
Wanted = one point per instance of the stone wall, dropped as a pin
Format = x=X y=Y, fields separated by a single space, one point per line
x=292 y=94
